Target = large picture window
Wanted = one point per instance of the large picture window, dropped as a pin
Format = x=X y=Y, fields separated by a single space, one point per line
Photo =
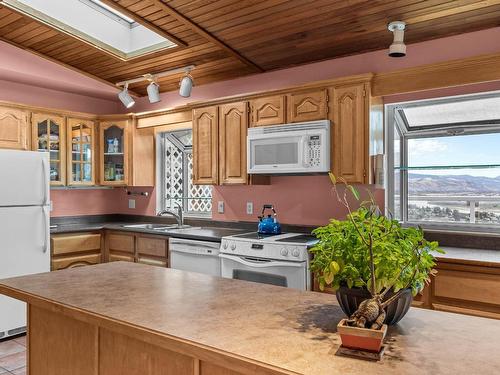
x=444 y=162
x=177 y=188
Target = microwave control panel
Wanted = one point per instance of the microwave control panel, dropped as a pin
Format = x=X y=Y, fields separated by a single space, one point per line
x=314 y=150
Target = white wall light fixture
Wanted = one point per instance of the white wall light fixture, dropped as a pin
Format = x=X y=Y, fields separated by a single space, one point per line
x=398 y=47
x=186 y=85
x=153 y=88
x=125 y=97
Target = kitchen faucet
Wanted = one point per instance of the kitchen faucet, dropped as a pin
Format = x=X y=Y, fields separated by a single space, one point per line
x=179 y=216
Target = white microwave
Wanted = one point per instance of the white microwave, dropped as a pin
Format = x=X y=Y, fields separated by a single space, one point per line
x=302 y=147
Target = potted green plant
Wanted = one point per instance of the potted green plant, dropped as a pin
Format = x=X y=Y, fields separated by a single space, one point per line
x=375 y=264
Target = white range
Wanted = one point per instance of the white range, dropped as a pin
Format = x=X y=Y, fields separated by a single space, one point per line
x=281 y=259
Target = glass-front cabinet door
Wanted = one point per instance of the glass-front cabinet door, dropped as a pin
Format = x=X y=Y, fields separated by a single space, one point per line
x=49 y=135
x=114 y=153
x=81 y=146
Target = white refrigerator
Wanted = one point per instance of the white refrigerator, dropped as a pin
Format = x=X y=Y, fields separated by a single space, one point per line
x=24 y=227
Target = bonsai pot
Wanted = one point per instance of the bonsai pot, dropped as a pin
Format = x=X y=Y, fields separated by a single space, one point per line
x=365 y=339
x=350 y=298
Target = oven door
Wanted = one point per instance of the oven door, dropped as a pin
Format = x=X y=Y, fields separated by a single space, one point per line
x=270 y=154
x=266 y=271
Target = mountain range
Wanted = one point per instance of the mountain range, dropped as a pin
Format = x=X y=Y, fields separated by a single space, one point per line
x=453 y=184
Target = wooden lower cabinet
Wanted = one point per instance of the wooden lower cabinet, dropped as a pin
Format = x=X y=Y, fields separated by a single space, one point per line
x=152 y=250
x=459 y=288
x=75 y=250
x=119 y=246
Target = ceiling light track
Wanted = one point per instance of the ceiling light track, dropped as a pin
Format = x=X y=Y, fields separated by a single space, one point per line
x=185 y=85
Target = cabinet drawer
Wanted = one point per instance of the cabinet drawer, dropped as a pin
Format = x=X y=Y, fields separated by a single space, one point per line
x=121 y=242
x=152 y=246
x=74 y=243
x=75 y=261
x=121 y=257
x=468 y=286
x=152 y=262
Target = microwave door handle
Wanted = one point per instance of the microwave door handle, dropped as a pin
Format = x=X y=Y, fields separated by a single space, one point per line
x=303 y=144
x=260 y=264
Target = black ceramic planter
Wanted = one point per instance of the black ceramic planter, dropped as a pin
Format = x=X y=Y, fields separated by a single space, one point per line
x=350 y=298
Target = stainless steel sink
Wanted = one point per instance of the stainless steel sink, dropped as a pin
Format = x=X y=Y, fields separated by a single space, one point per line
x=176 y=228
x=148 y=226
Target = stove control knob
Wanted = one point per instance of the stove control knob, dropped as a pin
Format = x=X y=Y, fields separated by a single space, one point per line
x=284 y=251
x=296 y=253
x=233 y=247
x=224 y=245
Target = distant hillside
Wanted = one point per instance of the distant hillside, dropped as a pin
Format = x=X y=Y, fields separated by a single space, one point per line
x=459 y=185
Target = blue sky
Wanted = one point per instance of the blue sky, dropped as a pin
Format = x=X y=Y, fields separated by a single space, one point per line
x=456 y=150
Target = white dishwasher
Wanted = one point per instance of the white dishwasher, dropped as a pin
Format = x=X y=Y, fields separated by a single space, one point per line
x=195 y=256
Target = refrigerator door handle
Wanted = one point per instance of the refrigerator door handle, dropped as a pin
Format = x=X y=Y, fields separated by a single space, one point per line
x=44 y=187
x=46 y=232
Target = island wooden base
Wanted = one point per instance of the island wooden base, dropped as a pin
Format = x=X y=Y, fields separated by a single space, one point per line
x=59 y=344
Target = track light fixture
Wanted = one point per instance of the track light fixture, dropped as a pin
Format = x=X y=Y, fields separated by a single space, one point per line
x=125 y=97
x=153 y=89
x=398 y=47
x=186 y=85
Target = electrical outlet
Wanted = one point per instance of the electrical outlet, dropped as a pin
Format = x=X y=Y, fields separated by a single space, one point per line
x=220 y=207
x=131 y=203
x=51 y=206
x=249 y=208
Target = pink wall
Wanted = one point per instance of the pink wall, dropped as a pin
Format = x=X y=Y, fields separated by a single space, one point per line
x=433 y=51
x=100 y=201
x=299 y=199
x=302 y=200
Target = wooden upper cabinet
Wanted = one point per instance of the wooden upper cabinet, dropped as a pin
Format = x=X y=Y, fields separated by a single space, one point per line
x=205 y=146
x=350 y=127
x=307 y=106
x=270 y=110
x=49 y=135
x=81 y=152
x=233 y=125
x=14 y=126
x=114 y=153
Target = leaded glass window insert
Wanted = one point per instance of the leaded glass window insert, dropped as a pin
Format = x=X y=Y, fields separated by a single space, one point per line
x=177 y=176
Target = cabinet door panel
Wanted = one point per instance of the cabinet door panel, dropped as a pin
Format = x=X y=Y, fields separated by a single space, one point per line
x=309 y=106
x=205 y=148
x=156 y=246
x=49 y=135
x=75 y=261
x=233 y=126
x=114 y=153
x=13 y=129
x=81 y=152
x=75 y=243
x=267 y=111
x=121 y=242
x=350 y=127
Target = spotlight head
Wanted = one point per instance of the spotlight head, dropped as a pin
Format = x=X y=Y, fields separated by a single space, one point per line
x=186 y=85
x=154 y=92
x=125 y=97
x=398 y=47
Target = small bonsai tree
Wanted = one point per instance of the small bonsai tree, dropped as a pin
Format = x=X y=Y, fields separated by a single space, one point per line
x=372 y=251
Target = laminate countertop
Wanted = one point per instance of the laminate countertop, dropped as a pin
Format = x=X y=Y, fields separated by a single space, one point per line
x=287 y=329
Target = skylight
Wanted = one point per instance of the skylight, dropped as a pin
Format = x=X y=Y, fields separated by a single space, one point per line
x=95 y=23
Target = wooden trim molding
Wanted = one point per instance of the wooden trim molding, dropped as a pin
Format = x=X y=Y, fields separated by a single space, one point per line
x=467 y=71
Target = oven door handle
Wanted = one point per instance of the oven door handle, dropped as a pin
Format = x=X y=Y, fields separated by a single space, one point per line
x=263 y=264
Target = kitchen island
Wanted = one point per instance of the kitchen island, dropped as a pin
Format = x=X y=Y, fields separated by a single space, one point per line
x=133 y=319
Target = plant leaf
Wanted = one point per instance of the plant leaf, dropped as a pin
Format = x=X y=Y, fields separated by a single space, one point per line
x=332 y=178
x=334 y=268
x=354 y=191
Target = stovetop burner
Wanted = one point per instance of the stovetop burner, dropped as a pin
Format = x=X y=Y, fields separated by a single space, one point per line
x=256 y=235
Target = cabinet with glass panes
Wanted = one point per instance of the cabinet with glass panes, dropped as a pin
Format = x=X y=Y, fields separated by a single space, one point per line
x=81 y=146
x=49 y=135
x=113 y=152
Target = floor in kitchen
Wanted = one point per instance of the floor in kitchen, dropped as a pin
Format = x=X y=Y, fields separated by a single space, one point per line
x=13 y=356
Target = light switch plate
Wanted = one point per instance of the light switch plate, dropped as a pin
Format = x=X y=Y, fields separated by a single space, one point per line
x=220 y=207
x=51 y=206
x=249 y=208
x=131 y=203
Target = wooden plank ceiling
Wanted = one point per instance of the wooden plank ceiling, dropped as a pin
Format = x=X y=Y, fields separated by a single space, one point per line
x=232 y=38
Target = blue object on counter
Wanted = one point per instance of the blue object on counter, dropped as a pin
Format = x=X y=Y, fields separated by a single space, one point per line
x=269 y=224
